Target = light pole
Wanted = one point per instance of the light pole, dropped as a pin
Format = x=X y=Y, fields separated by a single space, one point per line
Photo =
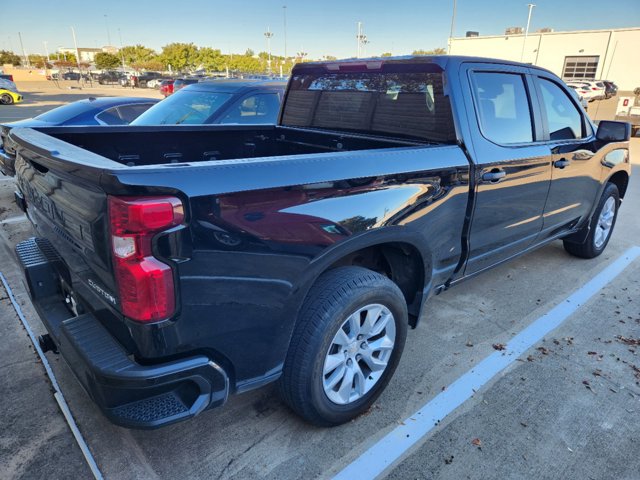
x=268 y=34
x=301 y=54
x=453 y=23
x=75 y=44
x=284 y=18
x=106 y=23
x=46 y=50
x=526 y=31
x=121 y=52
x=24 y=53
x=361 y=40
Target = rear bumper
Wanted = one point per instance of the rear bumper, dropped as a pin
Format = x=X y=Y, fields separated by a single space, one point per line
x=128 y=393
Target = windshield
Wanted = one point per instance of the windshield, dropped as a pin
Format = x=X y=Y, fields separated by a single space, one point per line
x=66 y=112
x=188 y=107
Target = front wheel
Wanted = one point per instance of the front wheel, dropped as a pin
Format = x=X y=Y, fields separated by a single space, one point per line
x=346 y=346
x=6 y=99
x=601 y=225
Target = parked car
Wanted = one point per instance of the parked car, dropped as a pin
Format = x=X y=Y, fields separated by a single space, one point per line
x=6 y=76
x=183 y=82
x=91 y=111
x=611 y=89
x=219 y=101
x=9 y=97
x=588 y=93
x=596 y=86
x=110 y=78
x=155 y=82
x=166 y=87
x=7 y=84
x=70 y=76
x=176 y=265
x=145 y=78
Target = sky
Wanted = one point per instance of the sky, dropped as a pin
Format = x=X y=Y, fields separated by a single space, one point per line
x=325 y=27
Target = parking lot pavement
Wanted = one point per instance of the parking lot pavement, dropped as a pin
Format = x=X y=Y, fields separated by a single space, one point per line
x=535 y=419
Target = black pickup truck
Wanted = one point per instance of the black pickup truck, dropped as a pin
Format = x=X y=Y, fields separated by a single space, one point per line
x=176 y=265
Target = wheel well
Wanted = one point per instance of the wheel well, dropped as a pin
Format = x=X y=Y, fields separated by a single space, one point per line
x=620 y=180
x=401 y=262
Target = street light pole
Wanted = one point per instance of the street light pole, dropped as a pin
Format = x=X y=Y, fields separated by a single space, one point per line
x=526 y=32
x=46 y=50
x=24 y=53
x=361 y=41
x=453 y=23
x=268 y=34
x=106 y=23
x=121 y=52
x=75 y=44
x=284 y=17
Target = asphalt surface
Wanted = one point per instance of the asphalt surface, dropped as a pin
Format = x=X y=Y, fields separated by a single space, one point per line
x=568 y=408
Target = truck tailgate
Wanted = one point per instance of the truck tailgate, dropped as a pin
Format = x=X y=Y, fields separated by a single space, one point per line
x=66 y=205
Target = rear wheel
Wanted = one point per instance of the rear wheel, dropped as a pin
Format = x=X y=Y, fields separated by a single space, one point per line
x=602 y=223
x=346 y=346
x=6 y=99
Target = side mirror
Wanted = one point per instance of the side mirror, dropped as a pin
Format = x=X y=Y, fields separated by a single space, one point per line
x=609 y=131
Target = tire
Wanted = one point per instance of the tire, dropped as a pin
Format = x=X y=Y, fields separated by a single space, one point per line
x=326 y=351
x=601 y=226
x=6 y=99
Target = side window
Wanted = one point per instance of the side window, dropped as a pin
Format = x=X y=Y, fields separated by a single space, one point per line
x=110 y=117
x=564 y=119
x=129 y=113
x=503 y=107
x=262 y=108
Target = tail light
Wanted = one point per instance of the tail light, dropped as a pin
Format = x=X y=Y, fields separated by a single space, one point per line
x=145 y=284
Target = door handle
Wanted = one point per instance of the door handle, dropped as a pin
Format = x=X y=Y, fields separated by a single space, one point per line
x=494 y=176
x=563 y=162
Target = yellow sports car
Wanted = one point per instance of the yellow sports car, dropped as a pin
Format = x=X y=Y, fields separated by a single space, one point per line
x=7 y=97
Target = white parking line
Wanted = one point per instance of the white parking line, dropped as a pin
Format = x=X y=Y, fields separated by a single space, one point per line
x=396 y=443
x=16 y=219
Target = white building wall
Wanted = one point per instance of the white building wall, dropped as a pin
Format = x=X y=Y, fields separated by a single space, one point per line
x=617 y=50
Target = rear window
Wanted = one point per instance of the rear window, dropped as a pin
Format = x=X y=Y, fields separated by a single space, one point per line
x=66 y=112
x=410 y=104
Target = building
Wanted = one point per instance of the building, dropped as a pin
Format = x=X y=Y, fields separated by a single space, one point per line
x=583 y=54
x=88 y=54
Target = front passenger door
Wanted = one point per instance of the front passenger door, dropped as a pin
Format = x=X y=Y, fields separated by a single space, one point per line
x=575 y=169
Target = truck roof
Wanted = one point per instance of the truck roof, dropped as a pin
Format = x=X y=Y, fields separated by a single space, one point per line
x=443 y=61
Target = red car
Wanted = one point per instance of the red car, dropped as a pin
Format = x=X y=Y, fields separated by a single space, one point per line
x=166 y=87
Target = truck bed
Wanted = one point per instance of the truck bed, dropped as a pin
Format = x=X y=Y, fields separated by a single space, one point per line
x=145 y=146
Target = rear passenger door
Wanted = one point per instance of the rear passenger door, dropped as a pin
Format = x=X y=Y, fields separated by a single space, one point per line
x=575 y=169
x=512 y=170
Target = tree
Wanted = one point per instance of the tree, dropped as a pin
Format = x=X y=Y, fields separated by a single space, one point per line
x=154 y=64
x=106 y=61
x=137 y=54
x=211 y=59
x=39 y=61
x=249 y=53
x=67 y=57
x=7 y=57
x=181 y=56
x=387 y=54
x=435 y=51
